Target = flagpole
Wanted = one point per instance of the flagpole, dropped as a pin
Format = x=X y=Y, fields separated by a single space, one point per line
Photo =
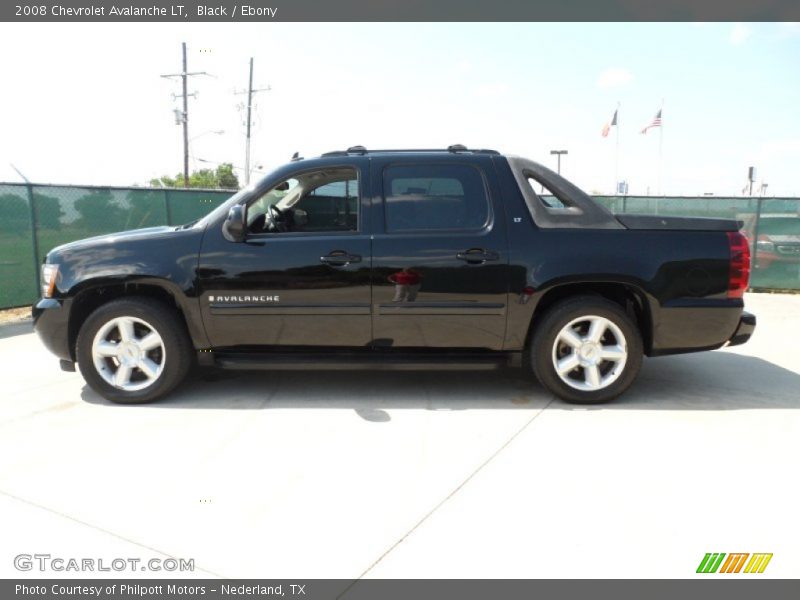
x=616 y=157
x=661 y=147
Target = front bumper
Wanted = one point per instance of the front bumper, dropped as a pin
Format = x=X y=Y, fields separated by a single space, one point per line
x=51 y=323
x=747 y=325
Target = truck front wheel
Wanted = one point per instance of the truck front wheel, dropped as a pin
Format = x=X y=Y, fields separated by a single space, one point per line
x=133 y=350
x=586 y=350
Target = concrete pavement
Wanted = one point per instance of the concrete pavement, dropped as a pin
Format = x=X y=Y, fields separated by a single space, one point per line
x=397 y=474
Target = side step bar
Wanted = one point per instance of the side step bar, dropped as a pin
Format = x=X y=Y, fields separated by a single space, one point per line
x=360 y=361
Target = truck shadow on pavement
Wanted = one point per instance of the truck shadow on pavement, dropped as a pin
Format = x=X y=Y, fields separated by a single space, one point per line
x=710 y=381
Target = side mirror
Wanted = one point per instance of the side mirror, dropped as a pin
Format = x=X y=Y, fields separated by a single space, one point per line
x=235 y=226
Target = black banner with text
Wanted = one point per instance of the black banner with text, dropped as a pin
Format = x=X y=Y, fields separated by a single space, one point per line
x=408 y=10
x=397 y=589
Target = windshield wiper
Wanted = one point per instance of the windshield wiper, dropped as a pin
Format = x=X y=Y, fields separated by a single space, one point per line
x=189 y=224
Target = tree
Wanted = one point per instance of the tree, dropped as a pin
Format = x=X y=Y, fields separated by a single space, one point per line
x=100 y=212
x=14 y=214
x=226 y=177
x=145 y=209
x=48 y=211
x=222 y=177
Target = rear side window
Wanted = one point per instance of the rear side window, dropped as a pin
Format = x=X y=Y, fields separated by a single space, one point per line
x=422 y=197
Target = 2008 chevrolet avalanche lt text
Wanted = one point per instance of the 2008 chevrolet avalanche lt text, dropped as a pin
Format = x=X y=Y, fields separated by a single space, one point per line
x=408 y=259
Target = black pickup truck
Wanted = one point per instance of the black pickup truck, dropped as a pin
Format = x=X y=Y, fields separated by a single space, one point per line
x=397 y=258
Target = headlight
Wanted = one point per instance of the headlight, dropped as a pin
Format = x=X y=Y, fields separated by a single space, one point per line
x=49 y=276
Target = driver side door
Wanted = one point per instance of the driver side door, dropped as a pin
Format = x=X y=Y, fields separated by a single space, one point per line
x=305 y=285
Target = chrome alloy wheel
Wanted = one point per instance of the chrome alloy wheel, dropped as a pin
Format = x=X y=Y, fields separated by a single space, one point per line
x=128 y=353
x=589 y=353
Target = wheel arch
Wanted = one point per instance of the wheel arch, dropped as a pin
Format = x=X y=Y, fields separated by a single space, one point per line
x=632 y=298
x=93 y=295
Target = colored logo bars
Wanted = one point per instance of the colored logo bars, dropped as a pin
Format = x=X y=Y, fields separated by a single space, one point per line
x=734 y=562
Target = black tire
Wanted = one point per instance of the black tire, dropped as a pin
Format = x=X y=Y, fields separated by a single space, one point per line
x=177 y=357
x=543 y=346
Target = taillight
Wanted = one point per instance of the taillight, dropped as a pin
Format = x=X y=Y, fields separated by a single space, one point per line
x=739 y=269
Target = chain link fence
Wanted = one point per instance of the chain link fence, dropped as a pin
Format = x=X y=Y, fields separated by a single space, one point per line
x=36 y=218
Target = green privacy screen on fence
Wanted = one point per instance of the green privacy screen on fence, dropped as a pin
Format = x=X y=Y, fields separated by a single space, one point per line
x=36 y=218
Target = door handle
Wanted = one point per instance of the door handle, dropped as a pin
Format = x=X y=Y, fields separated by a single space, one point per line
x=477 y=255
x=339 y=258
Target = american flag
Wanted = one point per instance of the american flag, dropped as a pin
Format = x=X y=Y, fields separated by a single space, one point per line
x=655 y=123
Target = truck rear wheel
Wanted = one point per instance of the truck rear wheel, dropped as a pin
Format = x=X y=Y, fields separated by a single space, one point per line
x=586 y=350
x=133 y=350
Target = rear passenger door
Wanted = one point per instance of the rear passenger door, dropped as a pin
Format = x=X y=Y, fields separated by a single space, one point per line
x=440 y=256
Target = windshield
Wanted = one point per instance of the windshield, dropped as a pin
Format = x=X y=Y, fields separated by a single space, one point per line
x=223 y=208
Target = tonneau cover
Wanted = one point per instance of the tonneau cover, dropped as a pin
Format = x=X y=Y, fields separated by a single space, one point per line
x=632 y=221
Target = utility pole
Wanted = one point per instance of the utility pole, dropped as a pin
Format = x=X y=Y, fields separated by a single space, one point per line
x=183 y=118
x=250 y=92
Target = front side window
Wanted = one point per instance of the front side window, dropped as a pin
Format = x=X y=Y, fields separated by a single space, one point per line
x=317 y=201
x=434 y=197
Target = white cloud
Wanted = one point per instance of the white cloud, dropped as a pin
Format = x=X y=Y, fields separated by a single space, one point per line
x=463 y=66
x=739 y=34
x=492 y=90
x=614 y=77
x=782 y=148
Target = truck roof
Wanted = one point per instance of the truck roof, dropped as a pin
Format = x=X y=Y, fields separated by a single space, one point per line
x=453 y=149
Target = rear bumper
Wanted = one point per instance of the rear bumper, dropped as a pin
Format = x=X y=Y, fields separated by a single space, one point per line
x=747 y=325
x=699 y=324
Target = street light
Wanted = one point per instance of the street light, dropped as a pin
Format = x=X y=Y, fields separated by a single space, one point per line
x=199 y=135
x=559 y=153
x=259 y=168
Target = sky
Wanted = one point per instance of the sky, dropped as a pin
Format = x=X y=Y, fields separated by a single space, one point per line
x=85 y=103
